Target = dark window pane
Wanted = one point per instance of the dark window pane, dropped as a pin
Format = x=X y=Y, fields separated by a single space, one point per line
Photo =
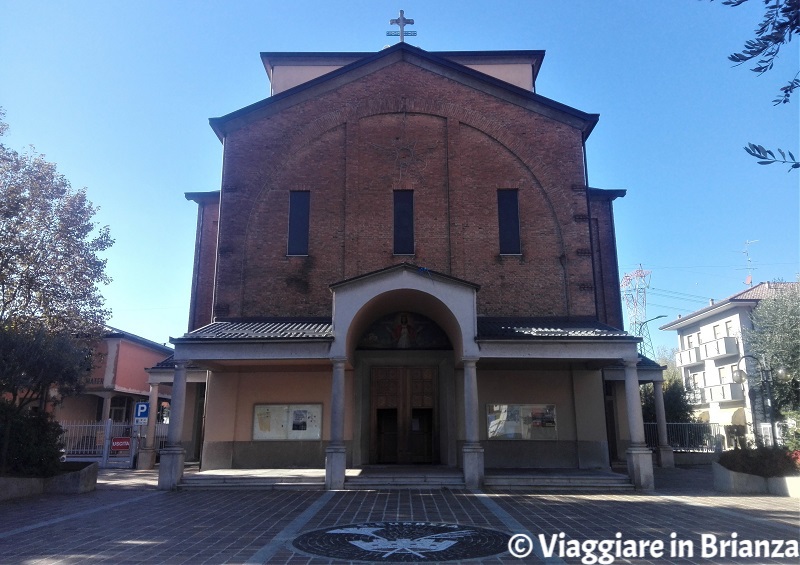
x=298 y=222
x=404 y=222
x=508 y=218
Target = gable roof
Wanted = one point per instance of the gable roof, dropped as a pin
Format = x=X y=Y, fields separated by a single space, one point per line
x=748 y=297
x=422 y=271
x=404 y=52
x=115 y=333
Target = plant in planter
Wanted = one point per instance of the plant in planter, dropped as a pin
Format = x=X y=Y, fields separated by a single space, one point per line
x=762 y=470
x=762 y=461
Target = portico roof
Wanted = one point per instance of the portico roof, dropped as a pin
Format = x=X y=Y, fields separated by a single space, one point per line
x=489 y=328
x=493 y=328
x=269 y=329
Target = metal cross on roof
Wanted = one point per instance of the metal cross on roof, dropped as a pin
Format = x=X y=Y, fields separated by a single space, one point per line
x=402 y=22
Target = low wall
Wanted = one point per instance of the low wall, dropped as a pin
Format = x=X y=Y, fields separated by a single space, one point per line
x=82 y=479
x=732 y=482
x=688 y=458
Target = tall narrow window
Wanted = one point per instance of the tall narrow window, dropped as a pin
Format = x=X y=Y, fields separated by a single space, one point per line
x=403 y=222
x=508 y=220
x=298 y=222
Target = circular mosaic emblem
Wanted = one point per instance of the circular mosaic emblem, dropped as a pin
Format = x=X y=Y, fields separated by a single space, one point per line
x=402 y=541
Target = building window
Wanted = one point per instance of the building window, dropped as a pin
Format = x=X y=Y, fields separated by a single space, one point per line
x=508 y=220
x=717 y=331
x=403 y=222
x=729 y=328
x=698 y=379
x=689 y=341
x=299 y=201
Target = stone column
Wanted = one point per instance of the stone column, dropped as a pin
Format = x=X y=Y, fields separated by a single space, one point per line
x=147 y=452
x=666 y=458
x=640 y=458
x=336 y=452
x=106 y=406
x=170 y=471
x=472 y=450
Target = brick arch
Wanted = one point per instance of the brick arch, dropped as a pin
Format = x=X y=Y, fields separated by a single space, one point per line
x=306 y=134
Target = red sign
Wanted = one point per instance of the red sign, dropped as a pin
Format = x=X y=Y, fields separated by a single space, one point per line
x=120 y=443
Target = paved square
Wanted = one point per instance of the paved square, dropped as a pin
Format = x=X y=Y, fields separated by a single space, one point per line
x=126 y=520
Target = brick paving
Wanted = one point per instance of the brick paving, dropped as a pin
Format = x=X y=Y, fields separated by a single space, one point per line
x=126 y=520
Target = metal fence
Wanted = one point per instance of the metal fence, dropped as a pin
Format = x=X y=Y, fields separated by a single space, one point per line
x=701 y=437
x=92 y=441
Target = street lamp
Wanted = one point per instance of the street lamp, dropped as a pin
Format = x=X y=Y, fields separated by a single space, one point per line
x=640 y=329
x=765 y=376
x=651 y=319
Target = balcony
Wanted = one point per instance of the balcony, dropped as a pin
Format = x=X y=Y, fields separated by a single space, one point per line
x=729 y=392
x=725 y=392
x=687 y=357
x=723 y=347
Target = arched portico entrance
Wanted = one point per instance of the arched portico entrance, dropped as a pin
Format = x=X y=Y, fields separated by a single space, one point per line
x=404 y=380
x=402 y=361
x=404 y=331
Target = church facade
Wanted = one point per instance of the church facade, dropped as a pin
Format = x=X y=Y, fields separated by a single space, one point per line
x=405 y=265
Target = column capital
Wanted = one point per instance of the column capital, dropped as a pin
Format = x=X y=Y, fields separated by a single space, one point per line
x=631 y=363
x=339 y=360
x=470 y=360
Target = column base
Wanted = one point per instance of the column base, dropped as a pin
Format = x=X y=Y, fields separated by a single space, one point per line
x=666 y=457
x=335 y=467
x=640 y=468
x=170 y=469
x=146 y=458
x=473 y=465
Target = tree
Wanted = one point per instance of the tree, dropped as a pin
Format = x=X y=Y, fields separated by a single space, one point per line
x=677 y=407
x=781 y=21
x=51 y=310
x=49 y=264
x=775 y=339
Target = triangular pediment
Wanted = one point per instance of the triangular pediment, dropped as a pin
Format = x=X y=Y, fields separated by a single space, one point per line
x=379 y=62
x=402 y=268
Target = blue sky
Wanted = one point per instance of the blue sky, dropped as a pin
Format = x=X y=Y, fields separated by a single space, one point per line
x=118 y=94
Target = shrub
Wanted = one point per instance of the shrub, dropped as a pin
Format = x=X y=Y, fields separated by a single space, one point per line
x=790 y=429
x=34 y=442
x=762 y=461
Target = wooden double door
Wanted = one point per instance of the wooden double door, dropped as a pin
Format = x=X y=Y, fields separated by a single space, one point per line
x=404 y=416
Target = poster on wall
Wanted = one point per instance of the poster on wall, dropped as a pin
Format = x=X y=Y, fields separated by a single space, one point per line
x=521 y=421
x=287 y=421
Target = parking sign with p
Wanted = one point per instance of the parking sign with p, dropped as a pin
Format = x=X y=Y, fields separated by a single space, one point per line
x=140 y=413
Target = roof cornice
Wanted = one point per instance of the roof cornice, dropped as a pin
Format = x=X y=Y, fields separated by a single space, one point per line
x=583 y=121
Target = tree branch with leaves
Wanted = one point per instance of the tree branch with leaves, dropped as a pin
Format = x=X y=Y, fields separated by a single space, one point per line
x=780 y=22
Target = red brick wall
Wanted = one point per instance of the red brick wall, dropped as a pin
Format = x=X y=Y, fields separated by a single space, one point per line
x=403 y=128
x=609 y=299
x=205 y=257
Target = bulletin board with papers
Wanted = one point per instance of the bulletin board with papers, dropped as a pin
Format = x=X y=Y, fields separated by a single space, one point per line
x=287 y=422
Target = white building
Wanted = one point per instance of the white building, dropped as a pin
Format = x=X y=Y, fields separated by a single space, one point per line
x=710 y=348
